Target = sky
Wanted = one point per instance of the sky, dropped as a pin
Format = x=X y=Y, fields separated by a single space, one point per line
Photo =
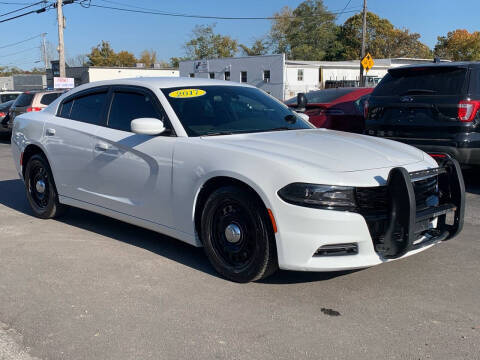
x=87 y=27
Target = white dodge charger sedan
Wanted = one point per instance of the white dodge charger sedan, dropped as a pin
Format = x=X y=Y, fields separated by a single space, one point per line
x=228 y=167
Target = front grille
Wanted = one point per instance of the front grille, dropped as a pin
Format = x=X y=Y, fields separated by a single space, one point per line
x=373 y=203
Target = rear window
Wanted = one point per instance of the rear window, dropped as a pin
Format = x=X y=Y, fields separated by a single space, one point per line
x=47 y=99
x=24 y=99
x=323 y=96
x=8 y=97
x=442 y=80
x=86 y=108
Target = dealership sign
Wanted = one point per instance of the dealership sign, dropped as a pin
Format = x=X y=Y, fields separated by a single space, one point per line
x=200 y=66
x=63 y=83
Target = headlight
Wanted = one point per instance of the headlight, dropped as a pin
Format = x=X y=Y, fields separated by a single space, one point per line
x=319 y=196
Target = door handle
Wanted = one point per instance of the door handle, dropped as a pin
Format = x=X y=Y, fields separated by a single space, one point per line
x=101 y=146
x=50 y=132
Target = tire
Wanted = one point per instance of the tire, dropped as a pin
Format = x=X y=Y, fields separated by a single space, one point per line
x=41 y=191
x=237 y=235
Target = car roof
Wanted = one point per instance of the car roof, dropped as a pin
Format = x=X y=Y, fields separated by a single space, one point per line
x=159 y=82
x=440 y=64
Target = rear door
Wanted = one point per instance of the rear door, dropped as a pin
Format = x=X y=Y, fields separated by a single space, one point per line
x=68 y=138
x=419 y=103
x=133 y=172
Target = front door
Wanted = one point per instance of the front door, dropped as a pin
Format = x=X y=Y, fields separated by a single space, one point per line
x=133 y=172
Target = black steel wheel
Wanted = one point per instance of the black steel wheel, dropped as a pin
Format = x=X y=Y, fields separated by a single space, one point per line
x=41 y=192
x=237 y=235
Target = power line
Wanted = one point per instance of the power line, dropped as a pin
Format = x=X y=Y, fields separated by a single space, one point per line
x=21 y=41
x=162 y=13
x=341 y=12
x=23 y=8
x=19 y=52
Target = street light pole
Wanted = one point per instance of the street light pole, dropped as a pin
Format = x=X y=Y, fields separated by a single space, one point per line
x=364 y=36
x=61 y=46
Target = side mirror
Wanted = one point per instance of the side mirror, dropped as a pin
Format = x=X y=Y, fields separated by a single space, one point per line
x=147 y=126
x=303 y=116
x=301 y=101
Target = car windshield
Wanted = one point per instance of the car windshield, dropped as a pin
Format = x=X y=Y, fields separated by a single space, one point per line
x=323 y=96
x=221 y=110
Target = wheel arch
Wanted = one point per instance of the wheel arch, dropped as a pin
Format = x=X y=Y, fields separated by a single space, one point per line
x=28 y=152
x=216 y=182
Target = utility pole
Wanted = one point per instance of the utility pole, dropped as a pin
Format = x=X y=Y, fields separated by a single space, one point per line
x=364 y=36
x=61 y=47
x=44 y=52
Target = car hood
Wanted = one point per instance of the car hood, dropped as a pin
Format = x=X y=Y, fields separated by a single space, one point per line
x=327 y=149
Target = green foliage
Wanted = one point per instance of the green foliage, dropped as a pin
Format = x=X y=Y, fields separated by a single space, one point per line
x=102 y=55
x=259 y=47
x=383 y=40
x=148 y=57
x=206 y=44
x=459 y=45
x=126 y=59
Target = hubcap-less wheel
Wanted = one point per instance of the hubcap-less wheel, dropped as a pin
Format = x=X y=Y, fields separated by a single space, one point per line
x=38 y=177
x=41 y=191
x=237 y=234
x=234 y=234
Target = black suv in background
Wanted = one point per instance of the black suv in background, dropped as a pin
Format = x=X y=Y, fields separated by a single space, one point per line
x=431 y=106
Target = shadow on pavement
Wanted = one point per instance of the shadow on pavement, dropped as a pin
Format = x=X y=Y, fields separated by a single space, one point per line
x=12 y=195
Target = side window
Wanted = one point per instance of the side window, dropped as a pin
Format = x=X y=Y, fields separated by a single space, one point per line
x=66 y=109
x=127 y=106
x=47 y=99
x=89 y=108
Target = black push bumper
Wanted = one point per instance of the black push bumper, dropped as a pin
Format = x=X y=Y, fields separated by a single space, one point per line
x=408 y=228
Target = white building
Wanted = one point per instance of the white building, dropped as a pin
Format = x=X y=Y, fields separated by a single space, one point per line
x=285 y=78
x=86 y=74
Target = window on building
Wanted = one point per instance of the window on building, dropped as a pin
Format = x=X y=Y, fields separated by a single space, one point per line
x=243 y=76
x=300 y=74
x=212 y=75
x=226 y=75
x=127 y=106
x=266 y=76
x=192 y=75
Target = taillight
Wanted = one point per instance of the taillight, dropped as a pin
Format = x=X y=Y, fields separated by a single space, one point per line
x=2 y=114
x=31 y=109
x=467 y=109
x=365 y=109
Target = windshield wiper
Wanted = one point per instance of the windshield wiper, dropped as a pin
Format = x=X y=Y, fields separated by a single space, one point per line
x=418 y=91
x=281 y=128
x=218 y=133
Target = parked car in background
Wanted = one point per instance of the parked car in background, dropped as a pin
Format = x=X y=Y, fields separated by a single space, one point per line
x=225 y=166
x=431 y=106
x=8 y=95
x=31 y=101
x=336 y=109
x=4 y=108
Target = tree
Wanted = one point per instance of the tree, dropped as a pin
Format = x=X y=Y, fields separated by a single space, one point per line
x=309 y=32
x=125 y=58
x=175 y=61
x=279 y=30
x=459 y=45
x=259 y=47
x=102 y=55
x=383 y=40
x=205 y=44
x=148 y=57
x=78 y=60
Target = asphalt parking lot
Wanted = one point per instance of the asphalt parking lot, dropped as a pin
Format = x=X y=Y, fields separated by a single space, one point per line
x=89 y=287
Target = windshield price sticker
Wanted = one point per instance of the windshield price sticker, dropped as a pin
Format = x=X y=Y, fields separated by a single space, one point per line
x=187 y=93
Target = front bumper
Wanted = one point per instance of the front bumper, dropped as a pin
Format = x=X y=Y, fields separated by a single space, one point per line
x=303 y=231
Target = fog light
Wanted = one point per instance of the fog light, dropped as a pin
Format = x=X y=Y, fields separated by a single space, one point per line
x=337 y=250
